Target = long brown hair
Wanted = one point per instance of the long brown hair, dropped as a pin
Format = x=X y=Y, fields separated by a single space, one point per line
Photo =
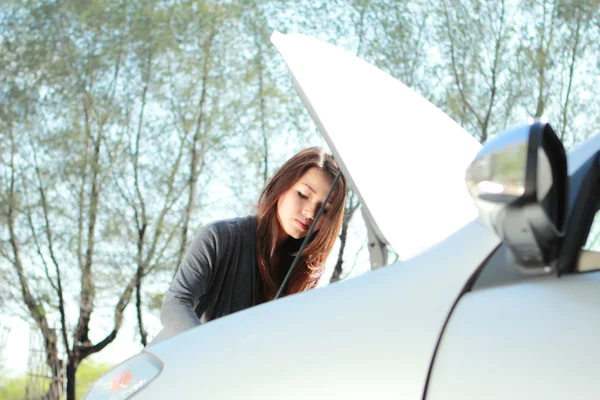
x=312 y=262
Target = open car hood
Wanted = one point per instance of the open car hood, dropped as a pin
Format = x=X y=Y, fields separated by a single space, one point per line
x=405 y=158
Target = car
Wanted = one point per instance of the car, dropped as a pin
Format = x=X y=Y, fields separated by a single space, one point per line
x=497 y=294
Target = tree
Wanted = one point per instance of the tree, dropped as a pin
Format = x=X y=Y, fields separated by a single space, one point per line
x=475 y=39
x=552 y=68
x=538 y=49
x=577 y=43
x=116 y=118
x=68 y=59
x=397 y=39
x=87 y=374
x=149 y=39
x=190 y=90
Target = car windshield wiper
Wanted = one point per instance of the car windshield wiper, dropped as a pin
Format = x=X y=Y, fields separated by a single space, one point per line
x=307 y=238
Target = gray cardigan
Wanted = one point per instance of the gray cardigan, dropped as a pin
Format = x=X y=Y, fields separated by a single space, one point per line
x=217 y=277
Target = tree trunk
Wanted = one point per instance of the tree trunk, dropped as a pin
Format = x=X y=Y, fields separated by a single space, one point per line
x=351 y=206
x=57 y=387
x=138 y=306
x=574 y=54
x=196 y=154
x=71 y=374
x=337 y=271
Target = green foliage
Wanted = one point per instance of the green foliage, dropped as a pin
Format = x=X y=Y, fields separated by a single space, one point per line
x=155 y=301
x=13 y=388
x=113 y=99
x=87 y=373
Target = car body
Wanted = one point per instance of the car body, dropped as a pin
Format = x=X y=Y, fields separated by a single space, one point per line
x=457 y=318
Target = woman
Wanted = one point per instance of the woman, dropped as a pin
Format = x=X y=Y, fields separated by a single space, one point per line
x=234 y=264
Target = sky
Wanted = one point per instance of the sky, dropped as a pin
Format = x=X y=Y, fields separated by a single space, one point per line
x=387 y=203
x=16 y=351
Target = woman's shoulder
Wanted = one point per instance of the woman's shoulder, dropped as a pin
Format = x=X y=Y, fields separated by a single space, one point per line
x=234 y=226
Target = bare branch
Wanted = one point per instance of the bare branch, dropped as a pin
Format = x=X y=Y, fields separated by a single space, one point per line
x=195 y=153
x=352 y=205
x=83 y=173
x=161 y=252
x=457 y=80
x=497 y=47
x=35 y=309
x=574 y=54
x=87 y=292
x=58 y=288
x=39 y=251
x=168 y=203
x=119 y=309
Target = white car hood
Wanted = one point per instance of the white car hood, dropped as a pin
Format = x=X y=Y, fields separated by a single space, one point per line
x=404 y=157
x=371 y=337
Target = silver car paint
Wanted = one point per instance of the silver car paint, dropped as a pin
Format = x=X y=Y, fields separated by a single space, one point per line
x=374 y=336
x=370 y=337
x=583 y=152
x=537 y=339
x=533 y=340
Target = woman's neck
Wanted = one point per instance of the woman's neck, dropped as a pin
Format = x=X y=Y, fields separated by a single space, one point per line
x=282 y=237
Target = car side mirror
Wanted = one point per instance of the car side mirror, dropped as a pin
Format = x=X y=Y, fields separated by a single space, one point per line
x=518 y=181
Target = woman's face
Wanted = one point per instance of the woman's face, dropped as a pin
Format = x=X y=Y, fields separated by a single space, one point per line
x=298 y=206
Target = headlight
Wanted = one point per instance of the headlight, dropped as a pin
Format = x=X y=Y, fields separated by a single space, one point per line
x=126 y=378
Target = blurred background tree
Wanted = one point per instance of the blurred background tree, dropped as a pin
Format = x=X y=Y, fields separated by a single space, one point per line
x=125 y=126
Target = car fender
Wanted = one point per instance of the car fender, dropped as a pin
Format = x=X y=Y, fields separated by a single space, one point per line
x=373 y=336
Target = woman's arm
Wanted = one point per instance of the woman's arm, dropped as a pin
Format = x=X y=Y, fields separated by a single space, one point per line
x=190 y=283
